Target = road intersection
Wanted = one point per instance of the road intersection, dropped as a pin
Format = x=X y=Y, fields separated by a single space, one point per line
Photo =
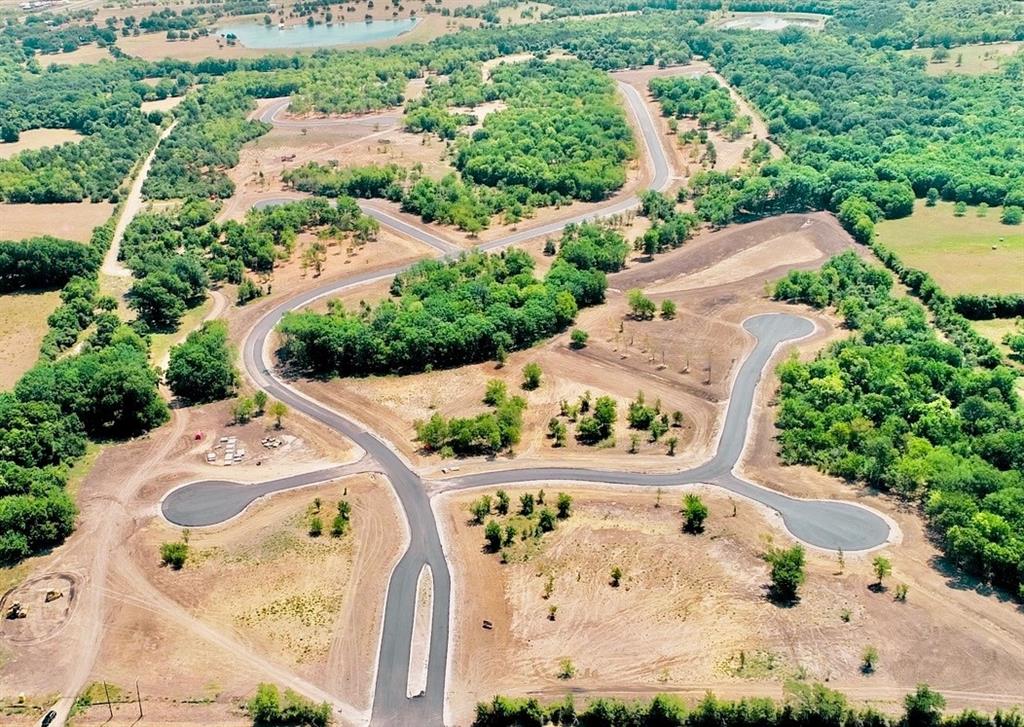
x=819 y=523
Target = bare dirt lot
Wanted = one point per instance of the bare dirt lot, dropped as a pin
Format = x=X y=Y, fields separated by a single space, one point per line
x=22 y=327
x=123 y=621
x=690 y=613
x=666 y=359
x=72 y=221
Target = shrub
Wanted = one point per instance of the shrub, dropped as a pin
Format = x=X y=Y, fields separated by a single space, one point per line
x=174 y=554
x=787 y=572
x=578 y=338
x=695 y=512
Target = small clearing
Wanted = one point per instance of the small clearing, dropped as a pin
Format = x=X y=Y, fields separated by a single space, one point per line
x=37 y=139
x=22 y=327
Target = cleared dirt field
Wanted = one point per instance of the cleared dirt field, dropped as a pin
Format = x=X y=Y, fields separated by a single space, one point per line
x=666 y=359
x=969 y=60
x=72 y=221
x=968 y=254
x=690 y=613
x=37 y=139
x=22 y=327
x=121 y=623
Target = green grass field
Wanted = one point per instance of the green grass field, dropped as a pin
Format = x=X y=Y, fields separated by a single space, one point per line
x=968 y=254
x=974 y=59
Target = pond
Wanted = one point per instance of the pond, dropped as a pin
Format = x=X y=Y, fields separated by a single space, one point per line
x=258 y=35
x=773 y=22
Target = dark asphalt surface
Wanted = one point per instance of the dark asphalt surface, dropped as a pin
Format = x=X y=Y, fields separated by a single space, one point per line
x=828 y=524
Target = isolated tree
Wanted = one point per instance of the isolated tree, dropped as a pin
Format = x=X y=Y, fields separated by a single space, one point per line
x=901 y=592
x=932 y=197
x=641 y=307
x=616 y=576
x=672 y=442
x=243 y=410
x=501 y=506
x=668 y=309
x=1012 y=215
x=174 y=554
x=531 y=376
x=578 y=338
x=959 y=209
x=495 y=393
x=278 y=410
x=787 y=572
x=259 y=400
x=882 y=567
x=677 y=418
x=316 y=526
x=480 y=508
x=564 y=505
x=492 y=534
x=869 y=659
x=695 y=512
x=546 y=520
x=526 y=504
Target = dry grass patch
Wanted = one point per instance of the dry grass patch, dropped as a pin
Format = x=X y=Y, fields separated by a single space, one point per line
x=970 y=60
x=71 y=221
x=690 y=612
x=22 y=327
x=37 y=139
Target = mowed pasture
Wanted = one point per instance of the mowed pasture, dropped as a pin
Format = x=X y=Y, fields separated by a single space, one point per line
x=968 y=254
x=970 y=60
x=37 y=139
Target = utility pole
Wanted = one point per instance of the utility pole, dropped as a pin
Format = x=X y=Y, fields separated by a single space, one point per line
x=107 y=692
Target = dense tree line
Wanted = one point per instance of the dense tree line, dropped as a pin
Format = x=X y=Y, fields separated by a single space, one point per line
x=44 y=262
x=806 y=705
x=444 y=314
x=985 y=307
x=898 y=409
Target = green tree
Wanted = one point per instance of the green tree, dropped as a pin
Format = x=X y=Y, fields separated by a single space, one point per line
x=546 y=520
x=480 y=508
x=882 y=567
x=578 y=338
x=202 y=368
x=316 y=526
x=526 y=503
x=787 y=572
x=641 y=307
x=531 y=376
x=259 y=400
x=502 y=502
x=869 y=660
x=492 y=534
x=932 y=197
x=616 y=576
x=695 y=512
x=174 y=554
x=668 y=309
x=1012 y=215
x=278 y=410
x=923 y=708
x=564 y=505
x=243 y=410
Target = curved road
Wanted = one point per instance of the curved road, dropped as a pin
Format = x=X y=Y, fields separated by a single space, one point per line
x=823 y=523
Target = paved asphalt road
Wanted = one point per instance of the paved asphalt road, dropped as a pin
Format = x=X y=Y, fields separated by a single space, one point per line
x=829 y=524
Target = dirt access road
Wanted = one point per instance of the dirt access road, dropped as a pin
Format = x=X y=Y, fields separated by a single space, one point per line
x=823 y=524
